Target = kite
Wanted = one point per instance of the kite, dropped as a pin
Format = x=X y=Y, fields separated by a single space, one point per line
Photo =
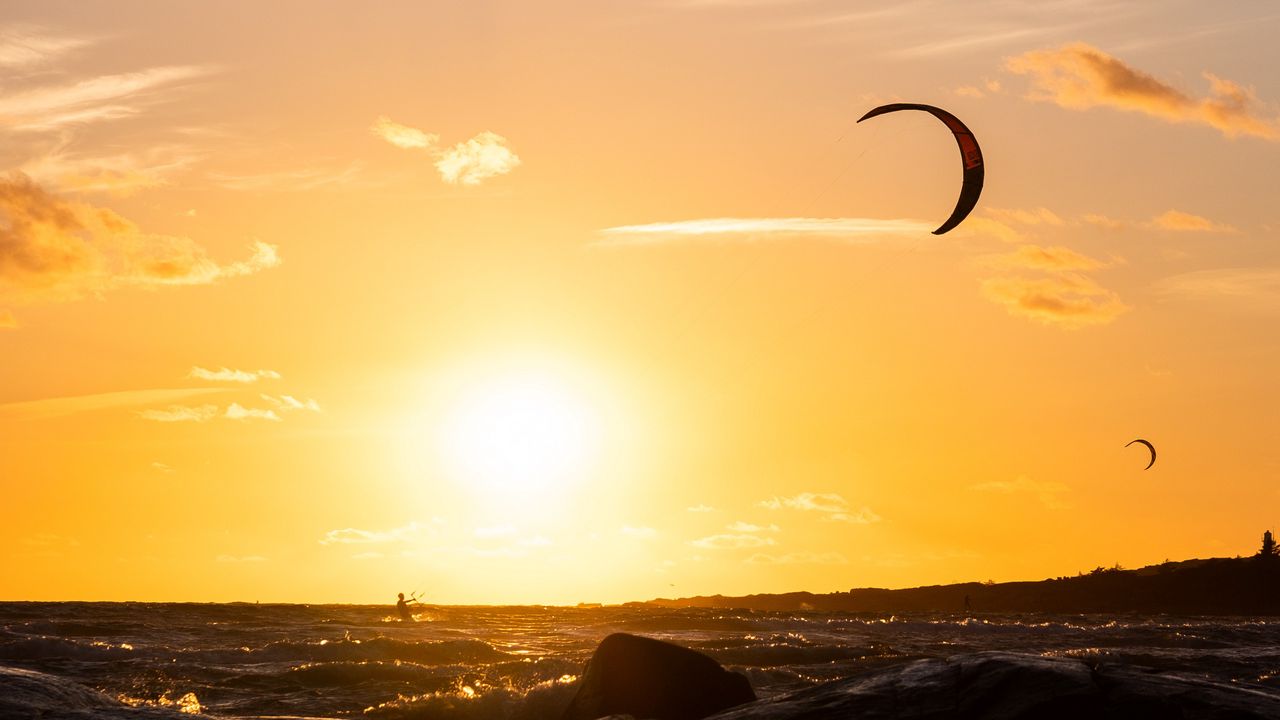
x=970 y=156
x=1150 y=447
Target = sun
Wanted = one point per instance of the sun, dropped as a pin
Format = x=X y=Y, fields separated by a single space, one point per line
x=520 y=433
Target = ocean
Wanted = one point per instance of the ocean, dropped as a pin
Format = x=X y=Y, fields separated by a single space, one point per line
x=142 y=660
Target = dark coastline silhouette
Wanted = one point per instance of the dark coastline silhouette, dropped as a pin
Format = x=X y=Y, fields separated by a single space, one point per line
x=1216 y=586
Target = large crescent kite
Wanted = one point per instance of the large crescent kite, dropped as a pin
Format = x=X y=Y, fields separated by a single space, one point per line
x=970 y=155
x=1149 y=447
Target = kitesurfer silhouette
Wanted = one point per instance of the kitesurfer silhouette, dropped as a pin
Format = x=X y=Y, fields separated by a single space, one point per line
x=402 y=607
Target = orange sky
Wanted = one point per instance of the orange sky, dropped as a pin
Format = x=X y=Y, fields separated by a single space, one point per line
x=581 y=301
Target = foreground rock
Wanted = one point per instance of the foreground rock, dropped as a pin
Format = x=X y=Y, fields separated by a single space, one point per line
x=1006 y=686
x=647 y=678
x=39 y=696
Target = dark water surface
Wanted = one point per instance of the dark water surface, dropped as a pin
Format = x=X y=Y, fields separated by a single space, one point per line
x=333 y=661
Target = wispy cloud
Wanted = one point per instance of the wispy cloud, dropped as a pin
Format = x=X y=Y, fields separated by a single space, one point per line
x=1257 y=289
x=1058 y=292
x=403 y=136
x=1186 y=222
x=831 y=507
x=1065 y=300
x=989 y=228
x=731 y=542
x=860 y=516
x=1053 y=259
x=279 y=404
x=241 y=559
x=1104 y=221
x=800 y=558
x=59 y=407
x=53 y=249
x=23 y=46
x=236 y=411
x=225 y=374
x=289 y=403
x=747 y=229
x=121 y=174
x=293 y=180
x=1079 y=76
x=1048 y=493
x=821 y=502
x=354 y=536
x=106 y=97
x=746 y=527
x=1005 y=218
x=988 y=87
x=970 y=41
x=1037 y=216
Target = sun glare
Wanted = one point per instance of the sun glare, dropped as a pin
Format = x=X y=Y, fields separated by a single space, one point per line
x=520 y=433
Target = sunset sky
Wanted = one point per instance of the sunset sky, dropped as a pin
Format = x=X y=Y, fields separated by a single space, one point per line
x=514 y=302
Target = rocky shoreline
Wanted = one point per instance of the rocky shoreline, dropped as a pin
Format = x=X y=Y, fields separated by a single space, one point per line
x=645 y=678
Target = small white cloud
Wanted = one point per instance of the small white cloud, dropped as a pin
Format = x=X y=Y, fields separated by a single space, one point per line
x=862 y=516
x=483 y=156
x=745 y=527
x=236 y=411
x=831 y=507
x=820 y=502
x=228 y=375
x=288 y=403
x=403 y=136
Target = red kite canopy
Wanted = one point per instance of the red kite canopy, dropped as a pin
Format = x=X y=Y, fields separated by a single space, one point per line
x=970 y=156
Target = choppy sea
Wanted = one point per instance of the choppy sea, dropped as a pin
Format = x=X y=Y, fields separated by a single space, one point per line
x=136 y=660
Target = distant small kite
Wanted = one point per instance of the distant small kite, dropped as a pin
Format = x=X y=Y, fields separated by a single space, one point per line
x=970 y=157
x=1150 y=447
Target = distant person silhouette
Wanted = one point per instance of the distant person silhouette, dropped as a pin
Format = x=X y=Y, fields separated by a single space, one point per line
x=402 y=607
